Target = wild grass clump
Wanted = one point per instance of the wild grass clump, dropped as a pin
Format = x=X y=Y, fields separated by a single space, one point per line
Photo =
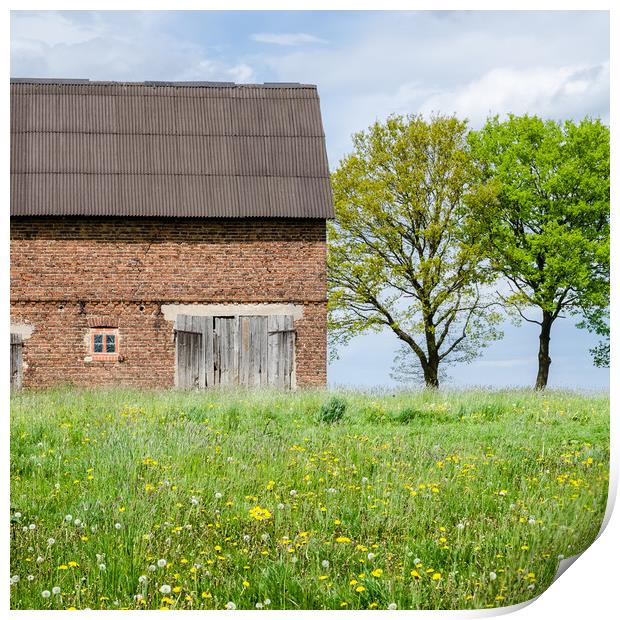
x=333 y=410
x=127 y=499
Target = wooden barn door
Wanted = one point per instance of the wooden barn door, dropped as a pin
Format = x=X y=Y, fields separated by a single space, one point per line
x=281 y=351
x=190 y=352
x=16 y=360
x=235 y=350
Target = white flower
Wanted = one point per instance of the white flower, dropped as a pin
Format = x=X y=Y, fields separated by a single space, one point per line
x=371 y=555
x=117 y=526
x=51 y=541
x=40 y=559
x=531 y=586
x=561 y=556
x=25 y=528
x=280 y=506
x=152 y=567
x=57 y=485
x=292 y=492
x=30 y=549
x=246 y=537
x=392 y=606
x=161 y=563
x=102 y=566
x=364 y=480
x=259 y=605
x=230 y=605
x=492 y=576
x=30 y=577
x=138 y=597
x=267 y=601
x=531 y=521
x=230 y=459
x=218 y=495
x=77 y=521
x=331 y=490
x=264 y=537
x=15 y=579
x=55 y=590
x=17 y=515
x=325 y=563
x=165 y=589
x=46 y=594
x=142 y=579
x=460 y=526
x=416 y=560
x=100 y=557
x=32 y=526
x=195 y=501
x=502 y=493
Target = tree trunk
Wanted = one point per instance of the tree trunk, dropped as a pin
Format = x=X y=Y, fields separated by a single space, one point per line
x=431 y=375
x=544 y=361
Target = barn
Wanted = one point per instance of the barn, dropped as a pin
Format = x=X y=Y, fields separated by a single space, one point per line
x=167 y=234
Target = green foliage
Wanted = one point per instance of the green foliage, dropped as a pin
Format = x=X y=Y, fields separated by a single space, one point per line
x=399 y=256
x=333 y=410
x=542 y=215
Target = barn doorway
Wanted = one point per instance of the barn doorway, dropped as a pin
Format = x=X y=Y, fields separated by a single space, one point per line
x=235 y=350
x=17 y=356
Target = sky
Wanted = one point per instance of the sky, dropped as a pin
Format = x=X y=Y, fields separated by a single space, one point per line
x=366 y=65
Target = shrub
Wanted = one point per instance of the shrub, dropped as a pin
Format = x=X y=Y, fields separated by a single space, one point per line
x=333 y=410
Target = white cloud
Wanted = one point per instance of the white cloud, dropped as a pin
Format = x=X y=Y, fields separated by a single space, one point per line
x=298 y=38
x=131 y=46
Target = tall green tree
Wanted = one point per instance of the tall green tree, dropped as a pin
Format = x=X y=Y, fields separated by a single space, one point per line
x=543 y=217
x=398 y=254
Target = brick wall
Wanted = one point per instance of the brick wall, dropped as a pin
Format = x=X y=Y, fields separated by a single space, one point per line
x=64 y=271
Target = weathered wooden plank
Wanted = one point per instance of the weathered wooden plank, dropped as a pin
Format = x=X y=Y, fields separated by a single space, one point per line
x=264 y=349
x=208 y=349
x=272 y=350
x=245 y=350
x=16 y=361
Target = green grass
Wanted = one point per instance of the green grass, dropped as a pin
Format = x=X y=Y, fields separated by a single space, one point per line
x=475 y=493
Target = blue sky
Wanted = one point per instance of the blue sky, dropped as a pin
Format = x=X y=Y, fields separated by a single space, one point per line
x=366 y=65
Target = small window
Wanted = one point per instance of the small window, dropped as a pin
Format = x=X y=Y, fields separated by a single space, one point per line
x=104 y=343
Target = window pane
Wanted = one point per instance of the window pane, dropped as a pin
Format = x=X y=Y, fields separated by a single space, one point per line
x=110 y=344
x=98 y=343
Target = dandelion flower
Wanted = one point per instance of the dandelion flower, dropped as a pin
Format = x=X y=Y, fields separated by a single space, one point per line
x=280 y=506
x=51 y=541
x=152 y=568
x=503 y=492
x=259 y=605
x=195 y=501
x=32 y=526
x=117 y=526
x=267 y=602
x=531 y=521
x=46 y=594
x=246 y=537
x=292 y=492
x=392 y=606
x=15 y=579
x=230 y=605
x=17 y=515
x=343 y=539
x=30 y=577
x=360 y=589
x=325 y=563
x=371 y=556
x=165 y=589
x=55 y=590
x=492 y=576
x=436 y=576
x=40 y=559
x=460 y=526
x=138 y=597
x=161 y=563
x=377 y=572
x=218 y=496
x=417 y=561
x=77 y=521
x=102 y=566
x=264 y=537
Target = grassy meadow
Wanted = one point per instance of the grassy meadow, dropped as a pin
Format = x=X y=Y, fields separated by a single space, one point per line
x=126 y=499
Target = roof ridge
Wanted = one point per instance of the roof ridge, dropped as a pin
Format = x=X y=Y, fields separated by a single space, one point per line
x=165 y=83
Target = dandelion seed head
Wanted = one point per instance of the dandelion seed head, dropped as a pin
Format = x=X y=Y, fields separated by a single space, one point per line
x=46 y=594
x=230 y=605
x=161 y=563
x=325 y=563
x=51 y=541
x=165 y=589
x=117 y=526
x=55 y=590
x=392 y=606
x=492 y=576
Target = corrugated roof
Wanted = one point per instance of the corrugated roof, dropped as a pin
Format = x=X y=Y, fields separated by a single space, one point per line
x=178 y=149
